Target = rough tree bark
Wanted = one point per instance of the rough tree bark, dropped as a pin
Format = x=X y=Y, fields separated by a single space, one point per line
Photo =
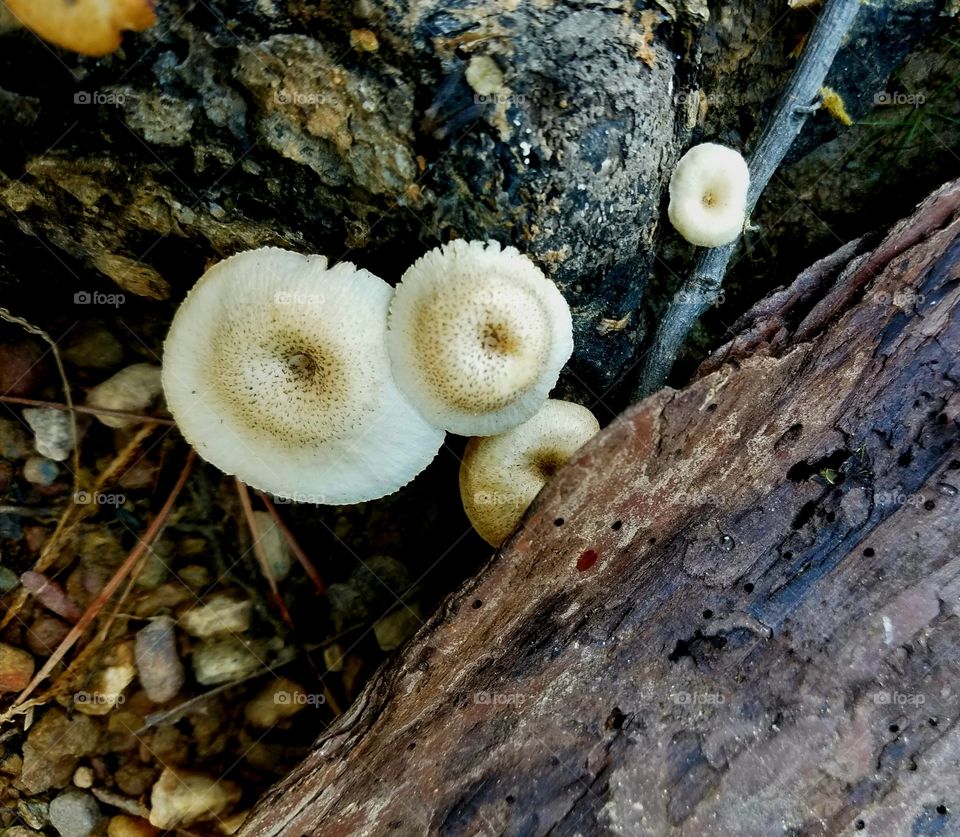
x=736 y=612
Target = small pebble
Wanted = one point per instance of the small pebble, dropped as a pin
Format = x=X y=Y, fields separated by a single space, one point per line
x=161 y=671
x=22 y=367
x=8 y=580
x=946 y=489
x=45 y=634
x=40 y=471
x=132 y=390
x=220 y=615
x=225 y=660
x=92 y=346
x=74 y=813
x=275 y=546
x=395 y=628
x=16 y=668
x=52 y=432
x=282 y=698
x=124 y=825
x=104 y=692
x=184 y=797
x=83 y=777
x=53 y=749
x=14 y=440
x=333 y=657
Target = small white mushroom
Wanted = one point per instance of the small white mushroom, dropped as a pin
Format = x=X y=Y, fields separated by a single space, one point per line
x=276 y=370
x=708 y=195
x=500 y=475
x=478 y=336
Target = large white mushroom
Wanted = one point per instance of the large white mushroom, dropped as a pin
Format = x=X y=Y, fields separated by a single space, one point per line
x=276 y=370
x=708 y=195
x=500 y=475
x=478 y=336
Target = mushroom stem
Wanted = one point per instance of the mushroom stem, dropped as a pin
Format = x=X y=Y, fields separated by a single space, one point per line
x=702 y=287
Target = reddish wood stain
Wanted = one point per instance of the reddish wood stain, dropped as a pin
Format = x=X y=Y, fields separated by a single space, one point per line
x=587 y=560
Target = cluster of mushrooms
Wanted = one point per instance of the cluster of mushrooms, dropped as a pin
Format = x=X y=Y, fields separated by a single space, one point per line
x=325 y=385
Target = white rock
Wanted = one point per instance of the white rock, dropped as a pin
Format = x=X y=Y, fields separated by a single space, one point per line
x=52 y=432
x=105 y=690
x=184 y=797
x=220 y=615
x=131 y=390
x=225 y=660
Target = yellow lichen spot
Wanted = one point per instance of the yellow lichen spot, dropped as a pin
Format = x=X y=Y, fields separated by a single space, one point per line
x=833 y=104
x=484 y=76
x=364 y=40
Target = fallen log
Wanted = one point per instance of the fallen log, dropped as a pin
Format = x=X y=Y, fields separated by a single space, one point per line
x=736 y=612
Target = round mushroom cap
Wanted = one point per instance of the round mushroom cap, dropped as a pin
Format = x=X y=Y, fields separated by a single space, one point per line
x=708 y=195
x=500 y=475
x=477 y=337
x=276 y=370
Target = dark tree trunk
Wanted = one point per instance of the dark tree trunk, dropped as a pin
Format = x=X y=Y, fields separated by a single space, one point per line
x=736 y=612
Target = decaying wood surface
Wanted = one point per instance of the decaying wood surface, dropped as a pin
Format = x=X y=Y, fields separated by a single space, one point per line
x=736 y=612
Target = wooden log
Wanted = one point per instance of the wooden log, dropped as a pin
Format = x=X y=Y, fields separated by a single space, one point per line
x=736 y=612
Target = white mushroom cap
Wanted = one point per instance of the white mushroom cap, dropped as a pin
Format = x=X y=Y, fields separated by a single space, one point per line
x=478 y=336
x=276 y=370
x=500 y=475
x=708 y=195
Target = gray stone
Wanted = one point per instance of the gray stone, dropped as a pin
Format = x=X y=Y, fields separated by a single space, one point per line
x=158 y=663
x=75 y=813
x=52 y=432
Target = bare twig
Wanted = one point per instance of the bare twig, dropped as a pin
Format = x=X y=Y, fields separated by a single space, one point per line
x=258 y=550
x=27 y=326
x=79 y=408
x=294 y=545
x=153 y=530
x=702 y=287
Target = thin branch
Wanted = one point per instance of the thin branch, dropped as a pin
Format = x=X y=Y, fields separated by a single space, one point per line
x=294 y=545
x=79 y=408
x=138 y=551
x=259 y=551
x=702 y=288
x=26 y=325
